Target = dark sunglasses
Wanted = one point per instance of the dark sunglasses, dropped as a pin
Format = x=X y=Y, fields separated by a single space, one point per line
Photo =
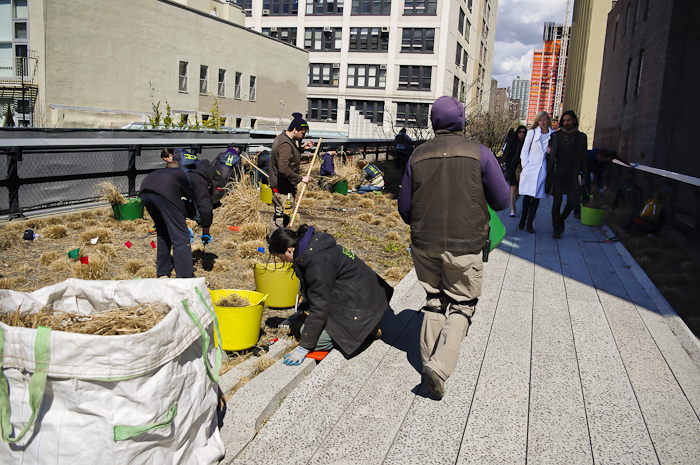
x=522 y=132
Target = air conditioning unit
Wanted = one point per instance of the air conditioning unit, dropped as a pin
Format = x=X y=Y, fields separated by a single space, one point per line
x=385 y=29
x=266 y=12
x=382 y=66
x=336 y=65
x=327 y=29
x=273 y=29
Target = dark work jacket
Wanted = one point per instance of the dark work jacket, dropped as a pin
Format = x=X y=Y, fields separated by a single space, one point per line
x=285 y=164
x=512 y=156
x=578 y=150
x=448 y=208
x=172 y=185
x=345 y=296
x=264 y=162
x=327 y=165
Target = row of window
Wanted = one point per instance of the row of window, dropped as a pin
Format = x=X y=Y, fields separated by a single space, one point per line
x=335 y=7
x=407 y=113
x=636 y=9
x=369 y=76
x=183 y=84
x=362 y=39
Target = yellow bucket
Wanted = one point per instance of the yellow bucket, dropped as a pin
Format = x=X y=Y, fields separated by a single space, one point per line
x=239 y=326
x=278 y=281
x=265 y=194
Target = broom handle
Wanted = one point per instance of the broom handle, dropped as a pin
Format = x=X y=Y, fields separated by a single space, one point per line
x=303 y=188
x=253 y=165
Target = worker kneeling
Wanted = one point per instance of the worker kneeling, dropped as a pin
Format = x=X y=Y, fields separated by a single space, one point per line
x=346 y=298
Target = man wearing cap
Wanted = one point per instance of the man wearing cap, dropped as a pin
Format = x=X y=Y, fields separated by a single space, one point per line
x=285 y=166
x=446 y=188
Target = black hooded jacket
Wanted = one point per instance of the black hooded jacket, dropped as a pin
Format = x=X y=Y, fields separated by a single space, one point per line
x=346 y=297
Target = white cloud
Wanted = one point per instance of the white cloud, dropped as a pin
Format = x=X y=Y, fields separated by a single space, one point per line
x=519 y=28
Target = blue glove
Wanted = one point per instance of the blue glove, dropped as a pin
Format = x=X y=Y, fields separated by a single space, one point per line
x=296 y=356
x=206 y=238
x=191 y=235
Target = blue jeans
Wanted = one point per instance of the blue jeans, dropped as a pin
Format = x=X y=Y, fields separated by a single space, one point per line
x=368 y=188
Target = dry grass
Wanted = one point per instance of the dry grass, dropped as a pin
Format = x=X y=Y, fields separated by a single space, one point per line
x=62 y=264
x=87 y=215
x=241 y=206
x=118 y=321
x=35 y=223
x=249 y=249
x=92 y=223
x=148 y=271
x=367 y=202
x=133 y=266
x=73 y=217
x=366 y=217
x=76 y=225
x=95 y=269
x=8 y=239
x=105 y=250
x=397 y=273
x=350 y=173
x=393 y=236
x=103 y=235
x=55 y=231
x=54 y=220
x=232 y=300
x=253 y=231
x=221 y=266
x=127 y=226
x=111 y=194
x=14 y=227
x=48 y=258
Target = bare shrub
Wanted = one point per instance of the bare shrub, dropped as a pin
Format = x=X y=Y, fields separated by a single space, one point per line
x=49 y=257
x=55 y=231
x=103 y=235
x=252 y=231
x=148 y=271
x=133 y=266
x=95 y=268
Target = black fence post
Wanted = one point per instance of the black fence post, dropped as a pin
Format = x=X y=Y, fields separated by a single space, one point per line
x=134 y=151
x=13 y=182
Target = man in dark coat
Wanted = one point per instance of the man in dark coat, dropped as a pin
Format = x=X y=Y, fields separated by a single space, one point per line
x=327 y=163
x=566 y=169
x=446 y=189
x=170 y=196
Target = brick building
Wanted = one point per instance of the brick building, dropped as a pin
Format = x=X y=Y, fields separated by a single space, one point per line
x=545 y=69
x=647 y=104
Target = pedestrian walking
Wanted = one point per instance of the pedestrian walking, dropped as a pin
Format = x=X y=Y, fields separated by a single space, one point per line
x=444 y=196
x=534 y=163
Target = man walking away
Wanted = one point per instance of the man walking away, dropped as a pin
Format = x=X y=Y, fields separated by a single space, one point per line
x=566 y=169
x=446 y=188
x=403 y=145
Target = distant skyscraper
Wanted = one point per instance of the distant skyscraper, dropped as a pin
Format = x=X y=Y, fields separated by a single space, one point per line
x=521 y=91
x=545 y=68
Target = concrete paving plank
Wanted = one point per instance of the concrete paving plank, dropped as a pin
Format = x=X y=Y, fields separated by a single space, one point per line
x=616 y=427
x=496 y=430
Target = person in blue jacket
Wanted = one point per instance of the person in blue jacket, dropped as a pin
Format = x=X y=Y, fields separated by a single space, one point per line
x=327 y=162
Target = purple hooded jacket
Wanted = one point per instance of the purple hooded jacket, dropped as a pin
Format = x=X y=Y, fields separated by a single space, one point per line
x=448 y=114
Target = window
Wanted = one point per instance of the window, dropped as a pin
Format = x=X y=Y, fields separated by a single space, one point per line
x=281 y=7
x=203 y=78
x=222 y=83
x=247 y=6
x=416 y=40
x=251 y=90
x=322 y=38
x=412 y=115
x=467 y=30
x=21 y=30
x=324 y=7
x=420 y=7
x=237 y=86
x=370 y=110
x=325 y=110
x=469 y=5
x=415 y=77
x=465 y=59
x=458 y=55
x=21 y=10
x=639 y=71
x=369 y=39
x=371 y=7
x=368 y=76
x=324 y=74
x=183 y=76
x=285 y=34
x=460 y=21
x=455 y=87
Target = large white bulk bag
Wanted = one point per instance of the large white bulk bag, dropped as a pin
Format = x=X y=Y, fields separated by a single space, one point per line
x=151 y=397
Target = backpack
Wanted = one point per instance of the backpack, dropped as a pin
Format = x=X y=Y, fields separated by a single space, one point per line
x=650 y=211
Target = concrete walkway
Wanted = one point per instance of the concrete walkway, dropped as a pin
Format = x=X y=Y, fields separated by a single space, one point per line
x=573 y=357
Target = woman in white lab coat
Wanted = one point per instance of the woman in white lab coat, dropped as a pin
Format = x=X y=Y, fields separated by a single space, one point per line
x=532 y=158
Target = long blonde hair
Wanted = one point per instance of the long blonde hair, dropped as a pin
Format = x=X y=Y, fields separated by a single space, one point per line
x=539 y=117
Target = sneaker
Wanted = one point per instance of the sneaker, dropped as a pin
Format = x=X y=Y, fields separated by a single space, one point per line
x=436 y=385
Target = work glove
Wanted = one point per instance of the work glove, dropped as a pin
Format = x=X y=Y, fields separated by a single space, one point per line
x=206 y=238
x=296 y=356
x=191 y=235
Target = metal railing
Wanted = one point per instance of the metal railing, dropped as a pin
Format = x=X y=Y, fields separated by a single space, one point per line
x=42 y=173
x=20 y=70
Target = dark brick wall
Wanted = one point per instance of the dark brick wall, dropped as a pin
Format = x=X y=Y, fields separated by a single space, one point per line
x=651 y=124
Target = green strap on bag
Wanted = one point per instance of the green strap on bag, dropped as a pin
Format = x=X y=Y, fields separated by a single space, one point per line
x=123 y=432
x=212 y=372
x=37 y=383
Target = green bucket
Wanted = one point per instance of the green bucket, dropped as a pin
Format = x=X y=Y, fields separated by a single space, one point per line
x=497 y=231
x=341 y=187
x=130 y=210
x=592 y=216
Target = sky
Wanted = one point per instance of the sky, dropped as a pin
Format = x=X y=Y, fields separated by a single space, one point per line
x=519 y=28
